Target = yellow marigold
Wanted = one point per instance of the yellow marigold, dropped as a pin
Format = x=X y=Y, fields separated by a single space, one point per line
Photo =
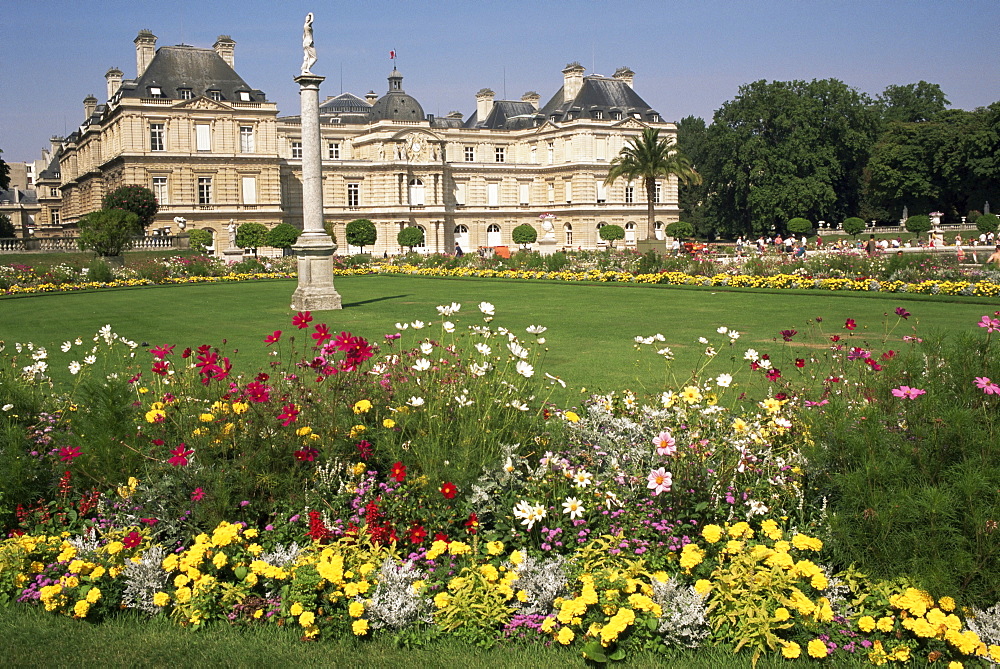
x=240 y=407
x=733 y=546
x=866 y=623
x=388 y=423
x=712 y=533
x=791 y=650
x=516 y=558
x=817 y=649
x=771 y=530
x=219 y=560
x=741 y=530
x=307 y=618
x=114 y=547
x=901 y=653
x=819 y=582
x=885 y=624
x=947 y=604
x=459 y=548
x=955 y=664
x=98 y=572
x=781 y=614
x=691 y=556
x=803 y=542
x=93 y=595
x=571 y=416
x=995 y=653
x=702 y=586
x=304 y=431
x=206 y=417
x=295 y=610
x=489 y=572
x=360 y=627
x=437 y=548
x=565 y=636
x=182 y=595
x=548 y=625
x=494 y=547
x=362 y=406
x=81 y=609
x=442 y=599
x=161 y=599
x=356 y=430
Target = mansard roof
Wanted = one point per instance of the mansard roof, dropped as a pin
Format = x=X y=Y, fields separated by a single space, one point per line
x=598 y=93
x=345 y=108
x=183 y=67
x=507 y=115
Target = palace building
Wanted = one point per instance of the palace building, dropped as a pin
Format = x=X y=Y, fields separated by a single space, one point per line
x=214 y=150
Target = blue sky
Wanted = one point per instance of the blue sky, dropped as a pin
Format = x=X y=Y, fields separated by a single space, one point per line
x=689 y=56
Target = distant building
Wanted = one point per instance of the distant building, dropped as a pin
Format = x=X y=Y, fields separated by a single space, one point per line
x=214 y=150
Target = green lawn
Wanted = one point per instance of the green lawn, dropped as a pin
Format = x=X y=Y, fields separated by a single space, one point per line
x=591 y=326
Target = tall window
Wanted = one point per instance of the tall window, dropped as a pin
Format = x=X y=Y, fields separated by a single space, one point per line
x=534 y=155
x=160 y=190
x=501 y=154
x=568 y=230
x=353 y=195
x=55 y=217
x=333 y=150
x=524 y=191
x=296 y=149
x=656 y=193
x=204 y=190
x=551 y=191
x=416 y=193
x=156 y=137
x=568 y=185
x=602 y=192
x=470 y=154
x=552 y=152
x=249 y=190
x=601 y=148
x=493 y=194
x=460 y=192
x=203 y=137
x=629 y=194
x=246 y=139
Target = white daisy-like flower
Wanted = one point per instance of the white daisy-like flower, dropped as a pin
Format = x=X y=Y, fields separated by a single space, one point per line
x=724 y=380
x=765 y=363
x=555 y=379
x=463 y=400
x=535 y=329
x=484 y=349
x=540 y=340
x=517 y=406
x=479 y=370
x=573 y=508
x=611 y=500
x=757 y=508
x=487 y=308
x=78 y=342
x=639 y=339
x=40 y=354
x=702 y=340
x=751 y=355
x=75 y=367
x=426 y=347
x=659 y=337
x=517 y=350
x=733 y=336
x=448 y=326
x=710 y=351
x=444 y=310
x=417 y=325
x=402 y=326
x=106 y=334
x=7 y=407
x=722 y=330
x=416 y=401
x=422 y=365
x=524 y=369
x=666 y=353
x=582 y=478
x=90 y=359
x=66 y=346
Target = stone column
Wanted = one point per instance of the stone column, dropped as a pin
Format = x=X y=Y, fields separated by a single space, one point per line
x=314 y=248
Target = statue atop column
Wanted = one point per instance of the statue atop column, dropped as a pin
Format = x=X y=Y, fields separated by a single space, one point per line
x=308 y=45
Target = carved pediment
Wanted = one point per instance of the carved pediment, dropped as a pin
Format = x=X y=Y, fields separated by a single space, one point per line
x=547 y=126
x=630 y=123
x=202 y=103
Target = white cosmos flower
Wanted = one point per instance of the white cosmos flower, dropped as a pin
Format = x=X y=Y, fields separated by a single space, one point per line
x=639 y=339
x=483 y=349
x=40 y=354
x=524 y=369
x=722 y=330
x=535 y=329
x=702 y=340
x=666 y=353
x=416 y=401
x=757 y=508
x=17 y=346
x=765 y=364
x=422 y=365
x=479 y=370
x=517 y=350
x=710 y=351
x=402 y=326
x=448 y=326
x=74 y=367
x=417 y=325
x=426 y=348
x=90 y=359
x=751 y=355
x=7 y=407
x=540 y=340
x=463 y=400
x=733 y=336
x=529 y=513
x=487 y=308
x=724 y=380
x=555 y=380
x=78 y=342
x=573 y=508
x=659 y=337
x=66 y=346
x=444 y=310
x=517 y=406
x=106 y=334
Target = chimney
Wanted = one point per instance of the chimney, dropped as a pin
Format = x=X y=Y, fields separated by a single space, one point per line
x=624 y=74
x=55 y=142
x=89 y=105
x=114 y=79
x=532 y=97
x=371 y=97
x=145 y=48
x=572 y=81
x=484 y=104
x=457 y=115
x=225 y=46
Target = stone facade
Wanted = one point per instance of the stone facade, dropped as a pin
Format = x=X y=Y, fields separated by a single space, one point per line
x=214 y=151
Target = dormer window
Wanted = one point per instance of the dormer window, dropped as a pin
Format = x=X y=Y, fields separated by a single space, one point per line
x=186 y=93
x=616 y=115
x=598 y=115
x=244 y=96
x=656 y=118
x=155 y=92
x=215 y=95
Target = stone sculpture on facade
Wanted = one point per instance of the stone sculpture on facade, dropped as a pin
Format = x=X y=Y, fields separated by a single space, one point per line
x=308 y=45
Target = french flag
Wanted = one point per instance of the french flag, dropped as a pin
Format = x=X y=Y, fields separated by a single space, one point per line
x=392 y=55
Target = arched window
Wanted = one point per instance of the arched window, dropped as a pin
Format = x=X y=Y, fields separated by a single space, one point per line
x=422 y=244
x=462 y=236
x=659 y=230
x=630 y=232
x=568 y=231
x=600 y=242
x=493 y=235
x=416 y=193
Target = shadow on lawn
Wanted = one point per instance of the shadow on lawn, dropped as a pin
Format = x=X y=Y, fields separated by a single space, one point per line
x=374 y=299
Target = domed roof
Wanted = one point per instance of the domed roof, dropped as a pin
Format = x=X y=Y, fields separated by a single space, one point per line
x=396 y=105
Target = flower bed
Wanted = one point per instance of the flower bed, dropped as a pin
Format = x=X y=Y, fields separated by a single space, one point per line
x=424 y=486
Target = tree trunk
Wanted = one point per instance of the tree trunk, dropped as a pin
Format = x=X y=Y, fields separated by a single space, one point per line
x=650 y=216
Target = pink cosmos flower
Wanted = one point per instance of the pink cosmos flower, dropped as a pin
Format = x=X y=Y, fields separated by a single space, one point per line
x=850 y=324
x=665 y=444
x=302 y=320
x=987 y=386
x=902 y=313
x=991 y=324
x=69 y=453
x=161 y=352
x=908 y=392
x=180 y=458
x=659 y=481
x=272 y=338
x=288 y=416
x=197 y=495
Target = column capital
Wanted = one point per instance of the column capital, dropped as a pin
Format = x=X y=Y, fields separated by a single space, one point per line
x=309 y=80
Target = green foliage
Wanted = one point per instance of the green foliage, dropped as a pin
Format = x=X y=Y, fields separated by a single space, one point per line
x=4 y=174
x=524 y=234
x=912 y=103
x=282 y=236
x=692 y=140
x=651 y=262
x=361 y=232
x=918 y=224
x=853 y=226
x=108 y=232
x=611 y=233
x=410 y=236
x=680 y=230
x=987 y=223
x=100 y=271
x=6 y=227
x=251 y=236
x=200 y=240
x=799 y=226
x=137 y=199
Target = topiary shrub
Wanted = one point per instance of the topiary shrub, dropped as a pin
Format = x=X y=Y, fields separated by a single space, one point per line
x=200 y=240
x=524 y=234
x=988 y=223
x=680 y=229
x=853 y=226
x=108 y=232
x=361 y=232
x=800 y=226
x=410 y=237
x=137 y=199
x=611 y=233
x=918 y=224
x=282 y=236
x=251 y=236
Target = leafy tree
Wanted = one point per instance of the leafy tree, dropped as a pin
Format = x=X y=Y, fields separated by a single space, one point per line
x=200 y=240
x=361 y=232
x=108 y=232
x=693 y=142
x=4 y=174
x=680 y=229
x=853 y=226
x=6 y=227
x=251 y=236
x=912 y=103
x=799 y=226
x=918 y=224
x=611 y=233
x=410 y=236
x=988 y=223
x=282 y=236
x=524 y=234
x=788 y=148
x=649 y=158
x=137 y=199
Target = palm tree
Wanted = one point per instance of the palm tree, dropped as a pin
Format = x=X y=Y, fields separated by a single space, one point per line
x=649 y=158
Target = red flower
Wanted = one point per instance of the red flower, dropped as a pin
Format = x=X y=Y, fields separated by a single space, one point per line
x=186 y=353
x=306 y=454
x=850 y=324
x=197 y=495
x=322 y=333
x=161 y=352
x=416 y=534
x=788 y=334
x=161 y=368
x=889 y=355
x=449 y=490
x=257 y=392
x=364 y=450
x=289 y=415
x=132 y=539
x=835 y=338
x=344 y=341
x=773 y=375
x=472 y=524
x=272 y=338
x=800 y=363
x=398 y=472
x=69 y=453
x=180 y=458
x=302 y=320
x=441 y=536
x=317 y=528
x=902 y=313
